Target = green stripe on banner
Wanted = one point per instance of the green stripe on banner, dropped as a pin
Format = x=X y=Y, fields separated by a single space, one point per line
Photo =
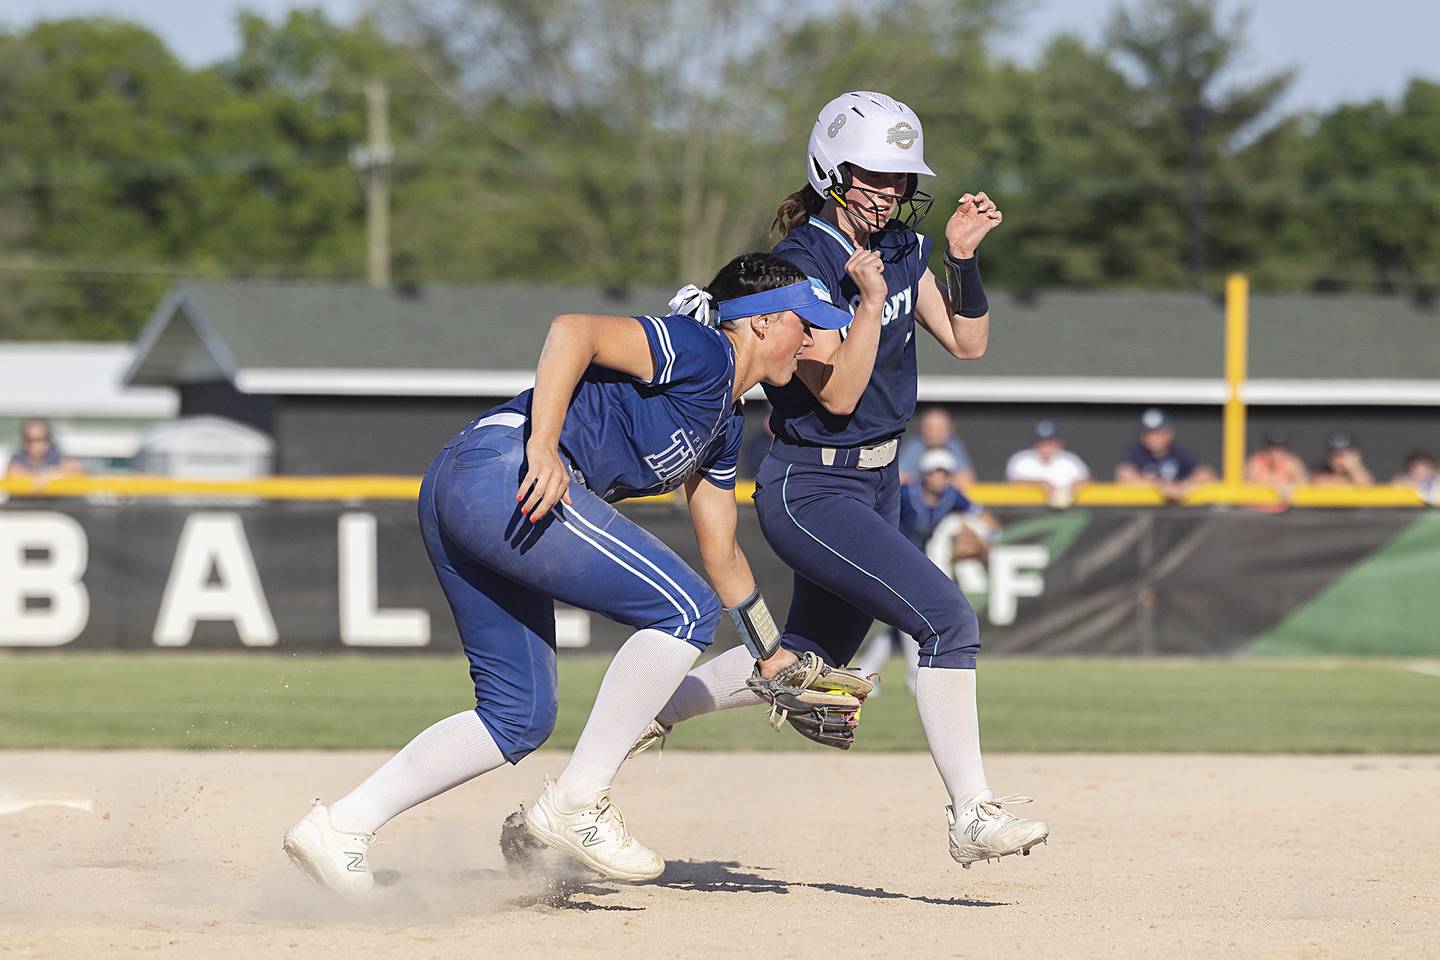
x=1389 y=604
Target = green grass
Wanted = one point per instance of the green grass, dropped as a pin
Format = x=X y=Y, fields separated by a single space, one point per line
x=266 y=701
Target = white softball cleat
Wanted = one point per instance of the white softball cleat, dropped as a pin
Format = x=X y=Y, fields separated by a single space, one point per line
x=595 y=836
x=331 y=858
x=982 y=830
x=655 y=733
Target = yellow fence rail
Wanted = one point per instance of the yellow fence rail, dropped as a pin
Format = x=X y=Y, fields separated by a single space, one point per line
x=354 y=488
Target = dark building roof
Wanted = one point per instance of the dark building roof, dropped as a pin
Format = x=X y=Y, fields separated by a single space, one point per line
x=1116 y=347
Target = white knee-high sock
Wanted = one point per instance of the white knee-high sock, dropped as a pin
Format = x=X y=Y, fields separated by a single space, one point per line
x=881 y=648
x=640 y=679
x=444 y=755
x=946 y=699
x=717 y=684
x=910 y=653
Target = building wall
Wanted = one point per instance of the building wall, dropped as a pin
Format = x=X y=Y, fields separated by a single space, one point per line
x=221 y=399
x=1386 y=434
x=1101 y=433
x=400 y=435
x=377 y=435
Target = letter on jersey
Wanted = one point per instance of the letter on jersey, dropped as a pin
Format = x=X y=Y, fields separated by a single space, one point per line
x=675 y=461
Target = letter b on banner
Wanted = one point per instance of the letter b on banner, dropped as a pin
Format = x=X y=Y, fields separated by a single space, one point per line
x=43 y=602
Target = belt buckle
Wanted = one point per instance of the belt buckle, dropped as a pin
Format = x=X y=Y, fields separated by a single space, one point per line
x=880 y=455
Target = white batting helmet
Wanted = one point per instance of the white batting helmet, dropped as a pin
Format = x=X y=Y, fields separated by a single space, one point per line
x=938 y=458
x=867 y=129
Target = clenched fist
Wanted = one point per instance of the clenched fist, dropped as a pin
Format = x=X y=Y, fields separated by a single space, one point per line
x=868 y=271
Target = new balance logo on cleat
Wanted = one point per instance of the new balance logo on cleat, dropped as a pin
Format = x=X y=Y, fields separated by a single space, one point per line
x=990 y=832
x=330 y=858
x=595 y=836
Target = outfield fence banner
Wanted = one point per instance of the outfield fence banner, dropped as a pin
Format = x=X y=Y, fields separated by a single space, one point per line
x=302 y=576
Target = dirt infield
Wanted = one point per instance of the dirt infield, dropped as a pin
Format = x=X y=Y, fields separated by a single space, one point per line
x=1165 y=856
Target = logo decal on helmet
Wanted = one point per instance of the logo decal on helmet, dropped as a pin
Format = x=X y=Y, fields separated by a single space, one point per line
x=902 y=135
x=835 y=125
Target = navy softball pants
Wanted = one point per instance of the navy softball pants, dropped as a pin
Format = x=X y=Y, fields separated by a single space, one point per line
x=502 y=575
x=838 y=529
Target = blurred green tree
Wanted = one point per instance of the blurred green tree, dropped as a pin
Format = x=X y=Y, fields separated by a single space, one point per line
x=1196 y=116
x=620 y=142
x=1371 y=174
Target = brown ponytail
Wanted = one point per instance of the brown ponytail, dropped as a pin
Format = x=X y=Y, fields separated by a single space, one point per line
x=793 y=210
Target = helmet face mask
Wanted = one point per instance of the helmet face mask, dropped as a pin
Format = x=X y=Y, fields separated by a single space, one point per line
x=874 y=132
x=910 y=206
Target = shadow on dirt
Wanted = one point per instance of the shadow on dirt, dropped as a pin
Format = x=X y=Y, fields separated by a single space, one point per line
x=729 y=876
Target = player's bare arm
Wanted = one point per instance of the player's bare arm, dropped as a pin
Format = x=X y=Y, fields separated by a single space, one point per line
x=575 y=341
x=955 y=312
x=715 y=518
x=837 y=371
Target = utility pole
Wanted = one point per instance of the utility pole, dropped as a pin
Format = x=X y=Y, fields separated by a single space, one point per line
x=373 y=162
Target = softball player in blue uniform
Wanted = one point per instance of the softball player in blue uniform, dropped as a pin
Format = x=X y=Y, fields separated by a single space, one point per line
x=515 y=513
x=828 y=495
x=924 y=506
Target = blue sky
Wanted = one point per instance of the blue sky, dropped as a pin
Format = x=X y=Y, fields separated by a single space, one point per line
x=1343 y=50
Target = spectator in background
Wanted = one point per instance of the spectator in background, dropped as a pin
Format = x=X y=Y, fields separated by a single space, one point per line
x=1275 y=465
x=38 y=456
x=1343 y=465
x=936 y=430
x=1422 y=475
x=1048 y=463
x=1156 y=461
x=923 y=507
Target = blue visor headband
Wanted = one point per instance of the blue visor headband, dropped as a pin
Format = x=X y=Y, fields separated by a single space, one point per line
x=808 y=298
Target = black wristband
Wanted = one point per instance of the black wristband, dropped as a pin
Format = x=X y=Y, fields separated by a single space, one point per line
x=967 y=293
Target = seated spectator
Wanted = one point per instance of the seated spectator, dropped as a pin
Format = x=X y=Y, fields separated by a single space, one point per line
x=936 y=430
x=923 y=505
x=38 y=456
x=1275 y=465
x=1343 y=465
x=1156 y=461
x=1048 y=463
x=1422 y=475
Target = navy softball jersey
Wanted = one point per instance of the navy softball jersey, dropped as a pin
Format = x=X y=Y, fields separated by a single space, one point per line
x=837 y=525
x=820 y=249
x=502 y=574
x=633 y=439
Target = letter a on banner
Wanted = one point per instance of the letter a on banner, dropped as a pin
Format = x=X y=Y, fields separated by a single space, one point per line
x=42 y=557
x=362 y=622
x=214 y=541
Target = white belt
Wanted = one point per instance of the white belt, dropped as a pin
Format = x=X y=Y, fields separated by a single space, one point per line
x=869 y=458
